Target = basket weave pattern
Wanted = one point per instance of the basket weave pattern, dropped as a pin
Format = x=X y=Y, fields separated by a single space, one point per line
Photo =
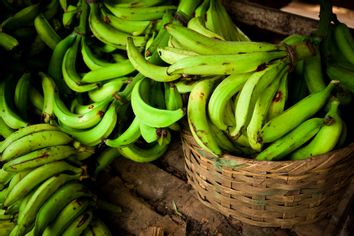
x=269 y=193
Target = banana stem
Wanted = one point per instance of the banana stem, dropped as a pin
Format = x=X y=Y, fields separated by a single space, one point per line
x=326 y=15
x=81 y=28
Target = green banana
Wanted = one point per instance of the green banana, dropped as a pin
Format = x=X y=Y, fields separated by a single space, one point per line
x=55 y=62
x=259 y=113
x=34 y=141
x=336 y=71
x=128 y=136
x=10 y=117
x=148 y=133
x=152 y=71
x=221 y=96
x=224 y=64
x=98 y=227
x=7 y=41
x=344 y=41
x=5 y=178
x=49 y=89
x=146 y=154
x=197 y=116
x=296 y=114
x=326 y=138
x=80 y=121
x=22 y=95
x=69 y=16
x=132 y=27
x=68 y=216
x=93 y=136
x=51 y=9
x=107 y=33
x=143 y=110
x=23 y=17
x=5 y=130
x=36 y=100
x=36 y=177
x=140 y=3
x=70 y=75
x=39 y=197
x=223 y=140
x=115 y=70
x=185 y=9
x=39 y=157
x=292 y=140
x=170 y=54
x=173 y=99
x=250 y=92
x=312 y=72
x=78 y=226
x=202 y=44
x=46 y=31
x=57 y=201
x=198 y=24
x=277 y=105
x=6 y=226
x=139 y=13
x=108 y=88
x=11 y=185
x=104 y=159
x=24 y=132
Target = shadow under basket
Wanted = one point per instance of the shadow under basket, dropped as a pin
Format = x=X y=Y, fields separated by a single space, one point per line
x=269 y=193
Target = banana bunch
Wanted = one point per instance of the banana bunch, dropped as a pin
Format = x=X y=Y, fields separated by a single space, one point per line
x=41 y=188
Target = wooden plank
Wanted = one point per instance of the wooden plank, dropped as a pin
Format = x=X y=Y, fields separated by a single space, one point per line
x=269 y=19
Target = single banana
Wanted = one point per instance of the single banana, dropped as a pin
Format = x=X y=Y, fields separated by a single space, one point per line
x=78 y=226
x=128 y=136
x=36 y=100
x=259 y=113
x=39 y=157
x=23 y=17
x=143 y=110
x=77 y=120
x=277 y=105
x=24 y=132
x=57 y=201
x=5 y=130
x=198 y=24
x=224 y=64
x=7 y=41
x=184 y=86
x=39 y=197
x=344 y=41
x=326 y=138
x=91 y=60
x=95 y=135
x=171 y=55
x=46 y=31
x=34 y=141
x=250 y=93
x=5 y=178
x=98 y=227
x=104 y=159
x=105 y=73
x=22 y=94
x=150 y=134
x=296 y=114
x=197 y=116
x=336 y=71
x=107 y=33
x=70 y=75
x=221 y=96
x=313 y=72
x=202 y=44
x=11 y=185
x=108 y=88
x=49 y=89
x=146 y=154
x=132 y=27
x=67 y=216
x=69 y=16
x=173 y=99
x=152 y=71
x=10 y=117
x=185 y=9
x=55 y=62
x=36 y=177
x=139 y=13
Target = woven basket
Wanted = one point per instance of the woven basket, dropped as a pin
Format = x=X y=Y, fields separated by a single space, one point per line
x=269 y=193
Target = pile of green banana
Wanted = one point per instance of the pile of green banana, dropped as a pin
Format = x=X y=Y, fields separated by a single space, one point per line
x=41 y=184
x=99 y=79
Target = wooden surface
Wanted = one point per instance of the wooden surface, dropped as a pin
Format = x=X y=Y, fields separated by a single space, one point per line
x=156 y=199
